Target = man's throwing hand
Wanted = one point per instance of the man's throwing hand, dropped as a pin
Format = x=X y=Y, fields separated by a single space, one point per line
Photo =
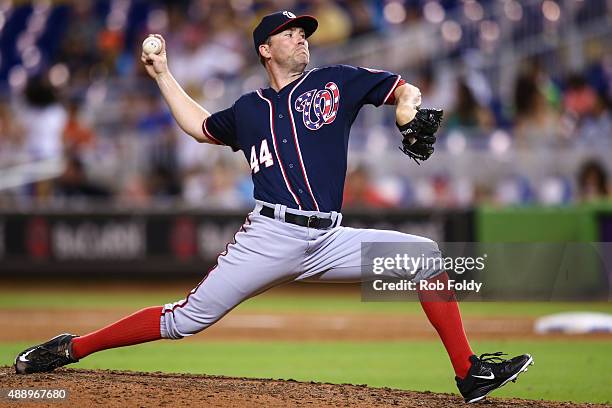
x=156 y=64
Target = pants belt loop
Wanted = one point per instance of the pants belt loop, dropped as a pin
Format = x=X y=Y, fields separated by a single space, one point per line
x=338 y=219
x=258 y=207
x=281 y=213
x=276 y=211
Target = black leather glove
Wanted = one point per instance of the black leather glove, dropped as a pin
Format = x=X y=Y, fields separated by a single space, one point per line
x=419 y=134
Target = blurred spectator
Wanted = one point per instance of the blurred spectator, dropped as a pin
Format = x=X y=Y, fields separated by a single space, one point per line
x=536 y=123
x=11 y=137
x=596 y=128
x=434 y=86
x=593 y=183
x=134 y=192
x=514 y=189
x=44 y=120
x=132 y=138
x=194 y=187
x=361 y=15
x=359 y=192
x=153 y=116
x=163 y=184
x=443 y=192
x=73 y=182
x=216 y=49
x=579 y=98
x=467 y=113
x=222 y=190
x=590 y=110
x=155 y=126
x=554 y=190
x=111 y=42
x=334 y=23
x=483 y=195
x=79 y=48
x=77 y=136
x=547 y=86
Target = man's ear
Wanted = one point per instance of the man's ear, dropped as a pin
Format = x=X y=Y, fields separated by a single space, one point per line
x=264 y=51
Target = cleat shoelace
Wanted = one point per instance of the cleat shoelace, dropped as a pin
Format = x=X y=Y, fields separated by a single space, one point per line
x=493 y=357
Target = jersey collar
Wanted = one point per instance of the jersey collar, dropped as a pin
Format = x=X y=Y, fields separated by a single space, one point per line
x=269 y=91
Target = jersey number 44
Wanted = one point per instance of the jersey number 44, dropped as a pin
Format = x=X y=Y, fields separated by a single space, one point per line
x=264 y=157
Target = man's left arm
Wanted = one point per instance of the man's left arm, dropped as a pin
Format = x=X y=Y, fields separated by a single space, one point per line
x=417 y=126
x=407 y=99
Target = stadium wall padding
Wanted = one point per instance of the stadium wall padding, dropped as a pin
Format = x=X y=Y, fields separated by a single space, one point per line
x=124 y=244
x=566 y=241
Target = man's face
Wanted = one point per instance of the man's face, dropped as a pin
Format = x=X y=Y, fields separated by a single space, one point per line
x=290 y=48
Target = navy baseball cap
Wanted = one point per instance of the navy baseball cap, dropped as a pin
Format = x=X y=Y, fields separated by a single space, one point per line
x=276 y=22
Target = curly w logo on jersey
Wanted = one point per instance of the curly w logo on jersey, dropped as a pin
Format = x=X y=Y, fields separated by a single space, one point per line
x=319 y=107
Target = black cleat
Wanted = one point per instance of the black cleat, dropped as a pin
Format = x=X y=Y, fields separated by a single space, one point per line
x=47 y=356
x=490 y=372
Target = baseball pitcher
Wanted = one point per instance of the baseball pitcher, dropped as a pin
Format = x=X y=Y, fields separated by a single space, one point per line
x=294 y=134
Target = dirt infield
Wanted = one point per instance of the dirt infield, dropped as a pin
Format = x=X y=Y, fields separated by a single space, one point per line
x=123 y=389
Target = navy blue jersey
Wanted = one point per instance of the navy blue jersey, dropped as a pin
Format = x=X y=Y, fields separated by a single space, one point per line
x=296 y=140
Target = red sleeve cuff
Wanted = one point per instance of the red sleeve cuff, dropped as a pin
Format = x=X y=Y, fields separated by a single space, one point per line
x=391 y=98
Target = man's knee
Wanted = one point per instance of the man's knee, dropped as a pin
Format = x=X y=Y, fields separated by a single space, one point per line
x=431 y=247
x=425 y=257
x=433 y=264
x=422 y=247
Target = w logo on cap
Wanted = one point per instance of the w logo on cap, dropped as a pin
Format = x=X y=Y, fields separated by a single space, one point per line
x=288 y=14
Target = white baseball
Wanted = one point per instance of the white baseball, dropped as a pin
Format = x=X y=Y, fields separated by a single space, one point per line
x=151 y=45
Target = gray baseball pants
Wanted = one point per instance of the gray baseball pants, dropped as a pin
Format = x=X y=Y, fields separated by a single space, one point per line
x=269 y=252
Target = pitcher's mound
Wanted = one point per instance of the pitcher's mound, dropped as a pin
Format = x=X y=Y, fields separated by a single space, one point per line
x=123 y=389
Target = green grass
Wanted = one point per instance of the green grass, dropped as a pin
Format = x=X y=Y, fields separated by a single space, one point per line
x=574 y=370
x=566 y=371
x=280 y=302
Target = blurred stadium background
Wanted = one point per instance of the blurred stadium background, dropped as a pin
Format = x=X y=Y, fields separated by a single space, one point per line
x=526 y=88
x=97 y=180
x=524 y=152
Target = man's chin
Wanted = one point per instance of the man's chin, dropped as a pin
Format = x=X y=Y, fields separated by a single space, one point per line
x=300 y=62
x=302 y=59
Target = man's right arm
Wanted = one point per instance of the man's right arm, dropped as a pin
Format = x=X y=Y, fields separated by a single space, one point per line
x=188 y=113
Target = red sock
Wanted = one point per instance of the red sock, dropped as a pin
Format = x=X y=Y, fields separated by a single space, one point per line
x=140 y=327
x=442 y=310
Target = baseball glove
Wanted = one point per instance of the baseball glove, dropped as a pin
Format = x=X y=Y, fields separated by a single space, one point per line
x=419 y=134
